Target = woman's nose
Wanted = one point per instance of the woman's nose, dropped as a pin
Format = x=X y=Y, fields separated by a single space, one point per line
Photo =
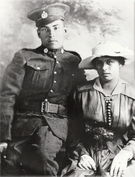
x=105 y=66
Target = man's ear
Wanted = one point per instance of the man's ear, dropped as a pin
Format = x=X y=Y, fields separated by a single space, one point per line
x=38 y=32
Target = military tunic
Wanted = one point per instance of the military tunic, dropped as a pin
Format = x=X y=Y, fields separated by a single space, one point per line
x=33 y=76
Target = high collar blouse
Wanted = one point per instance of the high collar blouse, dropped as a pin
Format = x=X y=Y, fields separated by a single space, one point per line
x=116 y=110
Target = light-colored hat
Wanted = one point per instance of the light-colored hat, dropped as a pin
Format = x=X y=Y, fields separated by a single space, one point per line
x=48 y=13
x=107 y=48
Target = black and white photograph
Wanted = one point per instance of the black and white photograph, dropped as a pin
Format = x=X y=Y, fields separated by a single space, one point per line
x=67 y=88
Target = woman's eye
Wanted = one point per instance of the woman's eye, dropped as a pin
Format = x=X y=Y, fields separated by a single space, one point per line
x=109 y=62
x=98 y=63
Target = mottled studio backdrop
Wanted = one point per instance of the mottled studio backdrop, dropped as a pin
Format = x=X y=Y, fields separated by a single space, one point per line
x=89 y=22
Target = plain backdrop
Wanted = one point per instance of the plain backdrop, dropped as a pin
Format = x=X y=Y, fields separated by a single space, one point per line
x=89 y=22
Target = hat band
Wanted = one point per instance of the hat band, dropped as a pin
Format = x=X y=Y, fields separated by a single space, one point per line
x=42 y=22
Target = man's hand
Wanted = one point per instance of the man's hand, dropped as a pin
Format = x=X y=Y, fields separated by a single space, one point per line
x=3 y=146
x=87 y=163
x=119 y=163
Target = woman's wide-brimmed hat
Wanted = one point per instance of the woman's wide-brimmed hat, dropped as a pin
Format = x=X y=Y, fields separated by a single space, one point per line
x=107 y=48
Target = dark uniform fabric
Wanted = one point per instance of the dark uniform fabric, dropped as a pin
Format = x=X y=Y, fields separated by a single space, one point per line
x=36 y=137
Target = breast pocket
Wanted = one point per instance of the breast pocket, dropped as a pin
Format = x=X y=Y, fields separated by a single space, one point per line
x=37 y=72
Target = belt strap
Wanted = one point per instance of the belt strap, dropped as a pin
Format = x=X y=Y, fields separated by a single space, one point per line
x=44 y=107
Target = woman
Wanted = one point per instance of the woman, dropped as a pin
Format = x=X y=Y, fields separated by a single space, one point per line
x=102 y=137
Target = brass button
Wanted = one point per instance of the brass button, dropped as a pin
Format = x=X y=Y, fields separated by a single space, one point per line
x=38 y=67
x=55 y=56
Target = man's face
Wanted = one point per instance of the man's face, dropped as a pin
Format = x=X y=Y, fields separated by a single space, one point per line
x=53 y=34
x=107 y=68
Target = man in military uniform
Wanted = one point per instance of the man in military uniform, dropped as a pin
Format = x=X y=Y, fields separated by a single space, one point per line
x=35 y=96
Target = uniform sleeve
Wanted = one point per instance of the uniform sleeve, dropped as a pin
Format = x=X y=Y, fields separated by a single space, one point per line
x=76 y=133
x=79 y=78
x=75 y=147
x=10 y=89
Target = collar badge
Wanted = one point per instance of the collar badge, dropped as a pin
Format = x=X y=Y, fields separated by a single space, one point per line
x=62 y=50
x=45 y=50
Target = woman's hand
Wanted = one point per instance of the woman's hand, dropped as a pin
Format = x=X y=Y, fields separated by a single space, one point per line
x=119 y=163
x=87 y=163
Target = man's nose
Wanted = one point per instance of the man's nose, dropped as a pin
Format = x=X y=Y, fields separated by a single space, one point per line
x=51 y=32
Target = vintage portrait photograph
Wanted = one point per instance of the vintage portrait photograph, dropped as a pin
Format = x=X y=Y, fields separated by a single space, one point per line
x=67 y=88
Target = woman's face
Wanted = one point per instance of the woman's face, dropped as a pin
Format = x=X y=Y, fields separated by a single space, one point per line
x=107 y=68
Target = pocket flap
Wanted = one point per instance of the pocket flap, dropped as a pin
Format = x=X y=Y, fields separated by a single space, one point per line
x=38 y=64
x=25 y=126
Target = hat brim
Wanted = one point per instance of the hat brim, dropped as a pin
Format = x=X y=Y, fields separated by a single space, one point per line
x=87 y=62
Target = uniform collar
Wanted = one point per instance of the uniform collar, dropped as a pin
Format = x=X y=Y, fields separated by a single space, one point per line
x=118 y=89
x=51 y=52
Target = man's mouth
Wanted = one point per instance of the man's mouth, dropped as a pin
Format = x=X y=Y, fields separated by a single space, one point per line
x=52 y=41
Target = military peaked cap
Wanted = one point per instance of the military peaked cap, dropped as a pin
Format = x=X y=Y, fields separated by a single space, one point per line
x=48 y=13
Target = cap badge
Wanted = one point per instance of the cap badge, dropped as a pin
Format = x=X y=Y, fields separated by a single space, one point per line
x=44 y=14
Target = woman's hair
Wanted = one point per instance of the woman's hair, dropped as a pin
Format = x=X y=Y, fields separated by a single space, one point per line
x=121 y=60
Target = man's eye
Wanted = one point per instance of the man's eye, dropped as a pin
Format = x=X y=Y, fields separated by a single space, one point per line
x=56 y=28
x=44 y=29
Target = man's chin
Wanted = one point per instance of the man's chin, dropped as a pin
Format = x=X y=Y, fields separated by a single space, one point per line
x=53 y=46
